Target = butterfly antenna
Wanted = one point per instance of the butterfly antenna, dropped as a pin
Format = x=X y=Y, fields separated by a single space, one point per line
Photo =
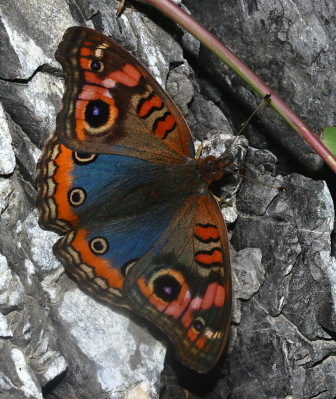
x=261 y=105
x=279 y=188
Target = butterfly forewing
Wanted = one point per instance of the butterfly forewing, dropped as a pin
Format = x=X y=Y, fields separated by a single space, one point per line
x=183 y=285
x=113 y=105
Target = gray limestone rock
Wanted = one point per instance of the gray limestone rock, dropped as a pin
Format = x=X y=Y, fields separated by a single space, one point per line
x=291 y=46
x=58 y=342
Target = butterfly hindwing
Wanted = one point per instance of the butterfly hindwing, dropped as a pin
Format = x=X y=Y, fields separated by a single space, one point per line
x=183 y=285
x=99 y=254
x=113 y=105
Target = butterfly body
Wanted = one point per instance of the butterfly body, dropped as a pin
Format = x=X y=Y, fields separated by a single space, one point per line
x=119 y=180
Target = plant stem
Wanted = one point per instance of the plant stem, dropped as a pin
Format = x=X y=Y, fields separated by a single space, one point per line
x=216 y=46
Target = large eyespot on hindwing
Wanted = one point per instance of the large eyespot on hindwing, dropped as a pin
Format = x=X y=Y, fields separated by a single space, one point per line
x=164 y=287
x=167 y=287
x=96 y=110
x=99 y=245
x=77 y=196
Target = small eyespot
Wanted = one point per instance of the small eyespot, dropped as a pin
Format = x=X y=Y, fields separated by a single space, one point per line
x=82 y=158
x=77 y=196
x=198 y=324
x=96 y=66
x=99 y=245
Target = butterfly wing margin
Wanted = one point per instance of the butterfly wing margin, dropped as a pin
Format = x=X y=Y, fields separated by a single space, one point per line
x=183 y=285
x=137 y=117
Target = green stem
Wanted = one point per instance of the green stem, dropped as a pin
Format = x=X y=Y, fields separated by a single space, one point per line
x=209 y=40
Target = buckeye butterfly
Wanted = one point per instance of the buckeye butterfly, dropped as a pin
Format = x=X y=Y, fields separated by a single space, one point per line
x=119 y=180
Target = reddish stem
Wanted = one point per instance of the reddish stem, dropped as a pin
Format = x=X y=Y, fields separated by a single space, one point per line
x=208 y=39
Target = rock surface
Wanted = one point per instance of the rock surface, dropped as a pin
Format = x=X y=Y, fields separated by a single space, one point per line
x=291 y=46
x=55 y=340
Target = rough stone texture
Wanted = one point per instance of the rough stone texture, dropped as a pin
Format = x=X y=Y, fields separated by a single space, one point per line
x=291 y=46
x=284 y=342
x=7 y=161
x=55 y=340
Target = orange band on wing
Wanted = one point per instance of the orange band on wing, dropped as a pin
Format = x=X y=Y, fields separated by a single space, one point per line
x=193 y=335
x=165 y=126
x=101 y=266
x=85 y=63
x=214 y=296
x=63 y=181
x=92 y=77
x=92 y=92
x=129 y=76
x=86 y=51
x=149 y=105
x=207 y=233
x=210 y=258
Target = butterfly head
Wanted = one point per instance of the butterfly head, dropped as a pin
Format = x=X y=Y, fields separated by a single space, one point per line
x=212 y=168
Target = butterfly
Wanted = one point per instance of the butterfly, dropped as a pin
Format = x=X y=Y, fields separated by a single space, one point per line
x=118 y=179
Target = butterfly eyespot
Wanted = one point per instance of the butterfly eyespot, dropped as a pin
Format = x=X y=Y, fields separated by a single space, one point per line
x=96 y=66
x=77 y=196
x=99 y=245
x=97 y=113
x=82 y=158
x=167 y=288
x=198 y=324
